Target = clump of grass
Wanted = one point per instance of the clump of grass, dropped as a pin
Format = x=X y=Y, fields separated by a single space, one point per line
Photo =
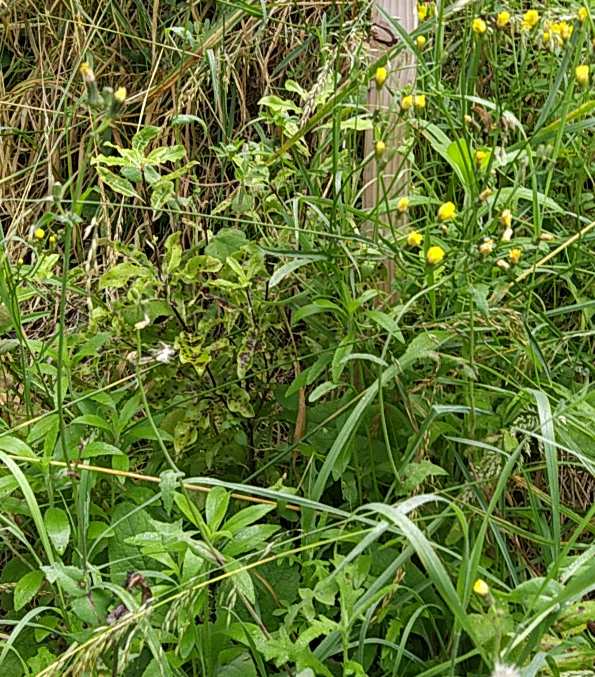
x=226 y=445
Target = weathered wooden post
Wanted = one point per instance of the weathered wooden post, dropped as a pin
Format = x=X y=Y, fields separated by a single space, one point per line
x=384 y=181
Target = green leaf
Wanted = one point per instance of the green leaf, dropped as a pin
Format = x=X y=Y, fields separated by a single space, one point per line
x=188 y=119
x=240 y=666
x=26 y=588
x=387 y=323
x=168 y=481
x=216 y=507
x=117 y=183
x=15 y=446
x=322 y=390
x=415 y=474
x=480 y=293
x=245 y=517
x=161 y=194
x=343 y=350
x=166 y=154
x=144 y=137
x=226 y=243
x=93 y=421
x=173 y=252
x=99 y=448
x=58 y=526
x=286 y=269
x=121 y=274
x=238 y=401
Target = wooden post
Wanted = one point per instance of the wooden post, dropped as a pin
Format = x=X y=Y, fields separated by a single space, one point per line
x=401 y=72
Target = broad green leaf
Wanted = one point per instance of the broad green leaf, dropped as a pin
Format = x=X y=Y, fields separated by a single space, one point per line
x=117 y=183
x=245 y=517
x=216 y=507
x=93 y=421
x=166 y=154
x=226 y=243
x=144 y=137
x=58 y=526
x=173 y=252
x=26 y=588
x=121 y=274
x=16 y=447
x=99 y=448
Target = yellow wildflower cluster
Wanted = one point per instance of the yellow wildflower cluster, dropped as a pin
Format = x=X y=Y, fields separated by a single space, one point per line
x=557 y=31
x=530 y=19
x=409 y=101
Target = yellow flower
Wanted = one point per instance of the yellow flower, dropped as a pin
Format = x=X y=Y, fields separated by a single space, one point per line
x=546 y=36
x=479 y=26
x=530 y=19
x=505 y=218
x=420 y=41
x=515 y=255
x=52 y=240
x=21 y=261
x=407 y=102
x=565 y=30
x=480 y=156
x=403 y=204
x=447 y=211
x=486 y=247
x=419 y=101
x=380 y=76
x=422 y=12
x=87 y=73
x=582 y=14
x=415 y=238
x=480 y=587
x=435 y=255
x=39 y=233
x=502 y=19
x=581 y=73
x=120 y=94
x=379 y=148
x=486 y=194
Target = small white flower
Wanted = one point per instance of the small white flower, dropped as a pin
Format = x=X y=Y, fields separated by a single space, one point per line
x=164 y=354
x=501 y=670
